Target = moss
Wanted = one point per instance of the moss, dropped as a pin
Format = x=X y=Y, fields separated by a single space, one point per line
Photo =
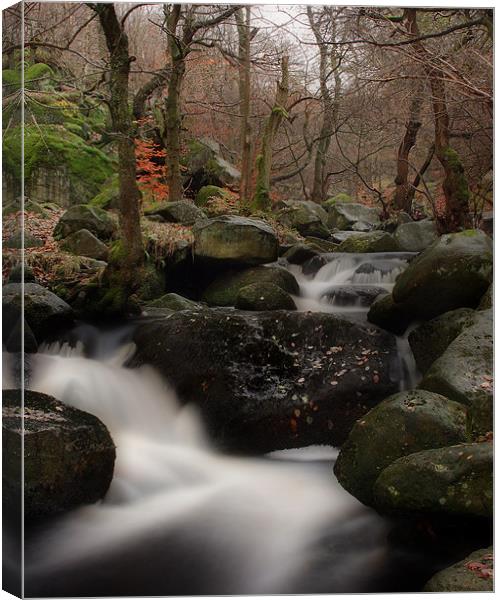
x=51 y=146
x=340 y=197
x=108 y=194
x=207 y=192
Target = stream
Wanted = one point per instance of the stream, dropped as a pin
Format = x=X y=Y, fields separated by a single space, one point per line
x=181 y=518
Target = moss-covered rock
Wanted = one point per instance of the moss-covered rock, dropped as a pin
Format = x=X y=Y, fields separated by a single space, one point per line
x=264 y=296
x=182 y=211
x=320 y=245
x=299 y=254
x=472 y=574
x=429 y=341
x=174 y=302
x=224 y=290
x=340 y=197
x=464 y=373
x=237 y=240
x=68 y=454
x=454 y=272
x=84 y=243
x=457 y=480
x=109 y=195
x=82 y=216
x=400 y=425
x=43 y=310
x=344 y=215
x=373 y=241
x=17 y=241
x=308 y=218
x=206 y=193
x=205 y=165
x=416 y=236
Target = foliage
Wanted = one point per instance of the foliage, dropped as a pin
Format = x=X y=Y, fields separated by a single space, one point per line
x=151 y=169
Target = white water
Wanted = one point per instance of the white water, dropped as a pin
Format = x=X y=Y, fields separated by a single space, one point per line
x=189 y=520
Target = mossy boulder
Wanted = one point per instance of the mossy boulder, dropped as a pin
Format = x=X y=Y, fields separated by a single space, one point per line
x=340 y=197
x=320 y=245
x=487 y=300
x=181 y=211
x=17 y=241
x=456 y=480
x=416 y=236
x=400 y=425
x=68 y=454
x=206 y=193
x=109 y=195
x=45 y=312
x=344 y=215
x=84 y=243
x=264 y=296
x=205 y=165
x=236 y=240
x=298 y=254
x=472 y=574
x=373 y=241
x=429 y=341
x=385 y=313
x=454 y=272
x=308 y=218
x=464 y=373
x=174 y=302
x=93 y=219
x=224 y=290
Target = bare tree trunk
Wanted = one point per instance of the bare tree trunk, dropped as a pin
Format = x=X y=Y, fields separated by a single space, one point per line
x=402 y=196
x=263 y=163
x=244 y=93
x=131 y=256
x=455 y=184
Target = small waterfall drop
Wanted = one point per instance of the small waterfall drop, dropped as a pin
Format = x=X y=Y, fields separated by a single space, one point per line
x=179 y=518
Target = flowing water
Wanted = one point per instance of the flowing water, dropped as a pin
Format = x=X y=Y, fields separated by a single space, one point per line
x=180 y=518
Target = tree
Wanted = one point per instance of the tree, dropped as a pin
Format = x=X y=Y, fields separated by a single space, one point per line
x=263 y=163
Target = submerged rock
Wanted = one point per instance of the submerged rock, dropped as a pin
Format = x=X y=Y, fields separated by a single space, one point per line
x=464 y=373
x=45 y=312
x=265 y=381
x=264 y=296
x=454 y=272
x=236 y=240
x=472 y=574
x=81 y=216
x=400 y=425
x=68 y=454
x=224 y=290
x=457 y=480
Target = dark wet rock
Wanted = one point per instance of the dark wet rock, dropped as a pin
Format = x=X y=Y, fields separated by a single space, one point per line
x=487 y=300
x=68 y=454
x=400 y=425
x=472 y=574
x=82 y=216
x=385 y=313
x=84 y=243
x=456 y=480
x=264 y=381
x=15 y=335
x=264 y=296
x=454 y=272
x=353 y=295
x=235 y=240
x=313 y=265
x=224 y=290
x=173 y=302
x=45 y=312
x=299 y=254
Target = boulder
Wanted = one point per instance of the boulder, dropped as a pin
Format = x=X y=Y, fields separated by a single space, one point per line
x=353 y=295
x=416 y=236
x=206 y=193
x=313 y=265
x=320 y=245
x=224 y=290
x=456 y=480
x=84 y=243
x=205 y=165
x=68 y=454
x=182 y=211
x=174 y=302
x=340 y=236
x=45 y=312
x=236 y=240
x=429 y=341
x=464 y=373
x=81 y=216
x=344 y=215
x=385 y=313
x=374 y=241
x=472 y=574
x=298 y=254
x=308 y=218
x=264 y=380
x=264 y=296
x=15 y=335
x=454 y=272
x=400 y=425
x=487 y=300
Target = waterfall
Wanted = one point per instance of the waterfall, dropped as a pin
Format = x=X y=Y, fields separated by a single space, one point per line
x=179 y=518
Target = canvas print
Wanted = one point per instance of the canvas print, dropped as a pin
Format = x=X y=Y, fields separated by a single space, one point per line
x=247 y=299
